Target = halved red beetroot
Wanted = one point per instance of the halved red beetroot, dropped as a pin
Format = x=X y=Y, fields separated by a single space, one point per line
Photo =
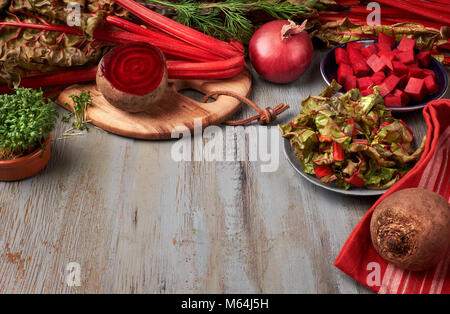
x=133 y=77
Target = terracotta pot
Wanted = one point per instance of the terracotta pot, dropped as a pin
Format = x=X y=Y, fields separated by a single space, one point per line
x=26 y=166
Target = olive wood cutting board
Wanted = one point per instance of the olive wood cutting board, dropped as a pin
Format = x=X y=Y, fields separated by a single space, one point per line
x=173 y=111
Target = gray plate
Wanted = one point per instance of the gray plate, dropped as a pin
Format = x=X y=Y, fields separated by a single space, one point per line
x=293 y=160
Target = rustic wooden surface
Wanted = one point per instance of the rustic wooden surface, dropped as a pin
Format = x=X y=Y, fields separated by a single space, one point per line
x=173 y=111
x=138 y=222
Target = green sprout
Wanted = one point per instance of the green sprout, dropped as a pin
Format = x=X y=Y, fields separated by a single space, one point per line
x=81 y=103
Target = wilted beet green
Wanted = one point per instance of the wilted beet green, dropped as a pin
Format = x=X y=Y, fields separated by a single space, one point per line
x=351 y=140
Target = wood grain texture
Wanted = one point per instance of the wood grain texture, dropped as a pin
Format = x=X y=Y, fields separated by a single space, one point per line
x=175 y=110
x=138 y=222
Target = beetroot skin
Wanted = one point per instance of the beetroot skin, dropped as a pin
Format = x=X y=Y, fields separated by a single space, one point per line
x=411 y=229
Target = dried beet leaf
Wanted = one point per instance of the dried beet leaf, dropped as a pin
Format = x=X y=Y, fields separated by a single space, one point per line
x=29 y=51
x=334 y=33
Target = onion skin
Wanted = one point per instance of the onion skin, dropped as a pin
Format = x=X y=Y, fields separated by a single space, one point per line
x=133 y=77
x=277 y=59
x=411 y=229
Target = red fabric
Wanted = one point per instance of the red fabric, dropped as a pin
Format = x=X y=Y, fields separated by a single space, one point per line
x=358 y=257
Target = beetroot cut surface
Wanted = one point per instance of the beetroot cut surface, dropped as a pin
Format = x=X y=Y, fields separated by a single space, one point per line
x=135 y=68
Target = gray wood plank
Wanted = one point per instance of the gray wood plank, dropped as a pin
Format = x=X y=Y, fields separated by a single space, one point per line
x=139 y=222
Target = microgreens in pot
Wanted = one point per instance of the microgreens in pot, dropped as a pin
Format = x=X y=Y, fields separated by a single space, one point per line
x=26 y=118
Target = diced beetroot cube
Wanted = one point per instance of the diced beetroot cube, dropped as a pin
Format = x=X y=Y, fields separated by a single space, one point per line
x=430 y=84
x=378 y=78
x=354 y=54
x=399 y=68
x=364 y=83
x=396 y=52
x=416 y=72
x=369 y=50
x=341 y=56
x=424 y=58
x=354 y=45
x=429 y=72
x=386 y=39
x=360 y=68
x=367 y=92
x=376 y=63
x=393 y=101
x=388 y=62
x=350 y=82
x=383 y=47
x=415 y=88
x=388 y=54
x=403 y=96
x=406 y=57
x=344 y=70
x=407 y=44
x=403 y=81
x=389 y=84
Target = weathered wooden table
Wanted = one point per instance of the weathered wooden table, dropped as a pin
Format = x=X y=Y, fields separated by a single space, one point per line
x=136 y=221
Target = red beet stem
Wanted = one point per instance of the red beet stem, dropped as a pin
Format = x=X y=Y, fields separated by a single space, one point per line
x=180 y=31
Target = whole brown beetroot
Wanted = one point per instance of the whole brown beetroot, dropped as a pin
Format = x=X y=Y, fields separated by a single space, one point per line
x=411 y=228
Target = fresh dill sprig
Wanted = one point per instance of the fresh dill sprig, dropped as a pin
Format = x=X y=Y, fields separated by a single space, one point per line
x=229 y=19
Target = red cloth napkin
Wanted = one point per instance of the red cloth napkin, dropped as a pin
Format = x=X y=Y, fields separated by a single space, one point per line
x=358 y=257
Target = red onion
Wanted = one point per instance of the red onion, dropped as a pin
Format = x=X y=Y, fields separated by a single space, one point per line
x=281 y=51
